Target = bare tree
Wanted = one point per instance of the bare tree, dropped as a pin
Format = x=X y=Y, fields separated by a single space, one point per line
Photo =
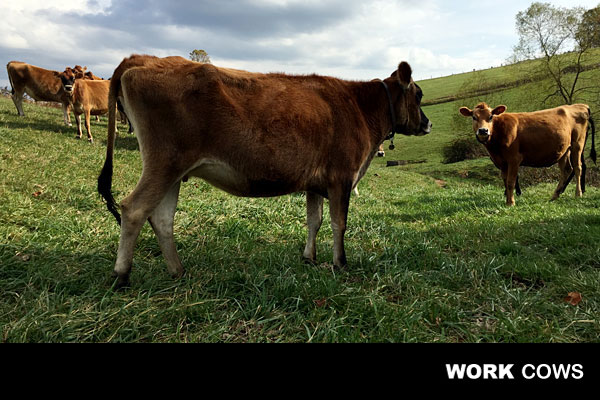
x=553 y=36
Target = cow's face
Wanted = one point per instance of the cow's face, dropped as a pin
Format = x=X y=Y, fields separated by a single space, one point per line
x=410 y=118
x=67 y=79
x=483 y=120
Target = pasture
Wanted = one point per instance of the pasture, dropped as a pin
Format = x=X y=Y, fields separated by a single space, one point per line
x=433 y=253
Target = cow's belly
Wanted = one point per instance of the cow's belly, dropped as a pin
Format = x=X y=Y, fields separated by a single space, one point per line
x=541 y=159
x=40 y=96
x=224 y=177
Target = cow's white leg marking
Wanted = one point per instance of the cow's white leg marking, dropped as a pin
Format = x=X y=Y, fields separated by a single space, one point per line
x=161 y=220
x=136 y=208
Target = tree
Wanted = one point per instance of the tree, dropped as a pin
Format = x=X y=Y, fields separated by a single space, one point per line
x=589 y=29
x=199 y=56
x=553 y=35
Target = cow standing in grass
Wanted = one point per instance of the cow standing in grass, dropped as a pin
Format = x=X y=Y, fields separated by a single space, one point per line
x=252 y=135
x=88 y=97
x=39 y=83
x=536 y=139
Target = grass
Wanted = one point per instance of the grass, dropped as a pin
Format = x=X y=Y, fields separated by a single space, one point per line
x=434 y=255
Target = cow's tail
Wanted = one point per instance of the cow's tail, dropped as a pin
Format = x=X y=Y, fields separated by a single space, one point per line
x=593 y=126
x=105 y=178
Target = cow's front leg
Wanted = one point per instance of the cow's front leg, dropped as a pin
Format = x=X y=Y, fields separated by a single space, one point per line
x=78 y=122
x=511 y=181
x=314 y=219
x=66 y=115
x=339 y=201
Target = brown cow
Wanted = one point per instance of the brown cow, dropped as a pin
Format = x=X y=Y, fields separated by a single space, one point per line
x=536 y=139
x=88 y=97
x=39 y=83
x=252 y=135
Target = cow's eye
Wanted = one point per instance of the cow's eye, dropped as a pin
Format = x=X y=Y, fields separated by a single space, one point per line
x=474 y=118
x=491 y=118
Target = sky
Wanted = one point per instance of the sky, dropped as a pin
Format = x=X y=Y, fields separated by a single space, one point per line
x=349 y=39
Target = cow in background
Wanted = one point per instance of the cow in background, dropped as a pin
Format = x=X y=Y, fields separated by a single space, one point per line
x=39 y=83
x=536 y=139
x=88 y=97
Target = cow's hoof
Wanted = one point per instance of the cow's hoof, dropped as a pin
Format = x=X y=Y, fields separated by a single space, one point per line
x=381 y=154
x=178 y=275
x=309 y=261
x=122 y=281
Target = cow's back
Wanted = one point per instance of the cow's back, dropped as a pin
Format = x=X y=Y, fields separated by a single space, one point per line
x=39 y=83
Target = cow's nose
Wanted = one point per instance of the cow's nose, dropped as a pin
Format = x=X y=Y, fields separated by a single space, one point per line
x=484 y=132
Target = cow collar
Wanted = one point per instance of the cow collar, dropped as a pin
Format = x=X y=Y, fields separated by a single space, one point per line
x=392 y=115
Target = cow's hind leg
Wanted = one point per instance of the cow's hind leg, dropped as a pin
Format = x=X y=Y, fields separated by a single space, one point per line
x=136 y=208
x=161 y=221
x=339 y=201
x=578 y=166
x=88 y=128
x=566 y=175
x=314 y=219
x=17 y=98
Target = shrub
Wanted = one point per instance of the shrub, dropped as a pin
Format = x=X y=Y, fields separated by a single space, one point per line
x=463 y=148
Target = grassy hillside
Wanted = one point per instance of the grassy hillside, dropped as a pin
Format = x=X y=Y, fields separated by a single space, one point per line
x=434 y=255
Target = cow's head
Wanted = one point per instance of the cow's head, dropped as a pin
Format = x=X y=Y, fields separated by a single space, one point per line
x=483 y=120
x=67 y=78
x=410 y=118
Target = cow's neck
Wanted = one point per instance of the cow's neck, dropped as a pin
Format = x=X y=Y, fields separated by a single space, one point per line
x=375 y=106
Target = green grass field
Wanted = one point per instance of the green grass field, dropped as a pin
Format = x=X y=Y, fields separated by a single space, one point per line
x=434 y=255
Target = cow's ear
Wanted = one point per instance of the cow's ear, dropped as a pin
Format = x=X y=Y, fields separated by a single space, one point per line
x=404 y=74
x=498 y=110
x=466 y=112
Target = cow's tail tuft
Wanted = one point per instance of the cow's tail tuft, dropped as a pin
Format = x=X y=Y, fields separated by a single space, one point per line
x=593 y=126
x=105 y=178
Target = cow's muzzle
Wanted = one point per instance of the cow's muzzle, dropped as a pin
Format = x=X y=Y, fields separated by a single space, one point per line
x=483 y=136
x=69 y=88
x=425 y=129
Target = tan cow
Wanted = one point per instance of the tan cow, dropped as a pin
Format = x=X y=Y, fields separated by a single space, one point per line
x=536 y=139
x=39 y=83
x=88 y=97
x=252 y=135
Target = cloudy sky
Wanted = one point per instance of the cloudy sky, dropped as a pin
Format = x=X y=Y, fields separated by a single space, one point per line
x=344 y=38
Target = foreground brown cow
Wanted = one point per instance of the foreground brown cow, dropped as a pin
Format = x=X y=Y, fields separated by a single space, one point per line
x=88 y=97
x=39 y=83
x=252 y=135
x=536 y=139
